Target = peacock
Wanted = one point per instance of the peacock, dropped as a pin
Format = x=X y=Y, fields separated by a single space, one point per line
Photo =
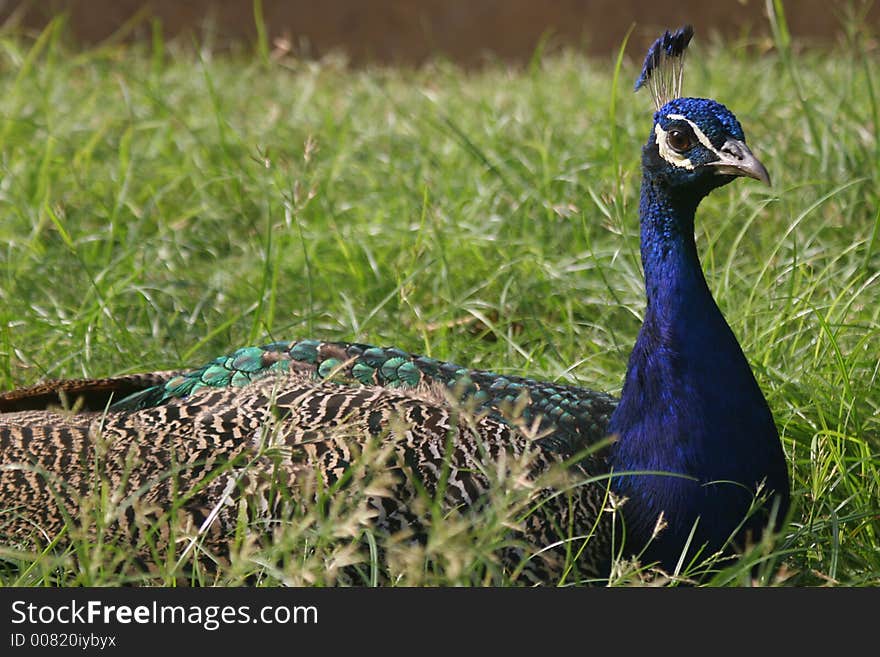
x=685 y=451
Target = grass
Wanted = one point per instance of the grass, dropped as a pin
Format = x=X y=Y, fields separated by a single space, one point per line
x=163 y=203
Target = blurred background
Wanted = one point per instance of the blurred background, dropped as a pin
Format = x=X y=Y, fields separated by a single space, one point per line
x=408 y=32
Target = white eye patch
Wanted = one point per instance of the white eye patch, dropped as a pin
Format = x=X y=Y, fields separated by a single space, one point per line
x=677 y=159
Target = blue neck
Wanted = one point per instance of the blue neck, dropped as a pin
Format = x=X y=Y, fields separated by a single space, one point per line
x=690 y=404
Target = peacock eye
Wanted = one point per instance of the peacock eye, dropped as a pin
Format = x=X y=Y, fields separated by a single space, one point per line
x=678 y=140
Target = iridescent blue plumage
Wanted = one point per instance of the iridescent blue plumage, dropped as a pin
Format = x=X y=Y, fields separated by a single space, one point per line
x=690 y=403
x=716 y=121
x=691 y=410
x=690 y=406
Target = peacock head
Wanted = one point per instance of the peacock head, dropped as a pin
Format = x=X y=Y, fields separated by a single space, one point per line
x=696 y=144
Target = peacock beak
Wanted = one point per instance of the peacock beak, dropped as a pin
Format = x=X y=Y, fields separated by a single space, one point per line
x=735 y=159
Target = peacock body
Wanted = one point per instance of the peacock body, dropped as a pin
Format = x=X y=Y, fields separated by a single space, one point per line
x=201 y=454
x=693 y=437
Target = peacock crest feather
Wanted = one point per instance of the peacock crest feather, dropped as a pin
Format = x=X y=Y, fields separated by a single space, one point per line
x=663 y=69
